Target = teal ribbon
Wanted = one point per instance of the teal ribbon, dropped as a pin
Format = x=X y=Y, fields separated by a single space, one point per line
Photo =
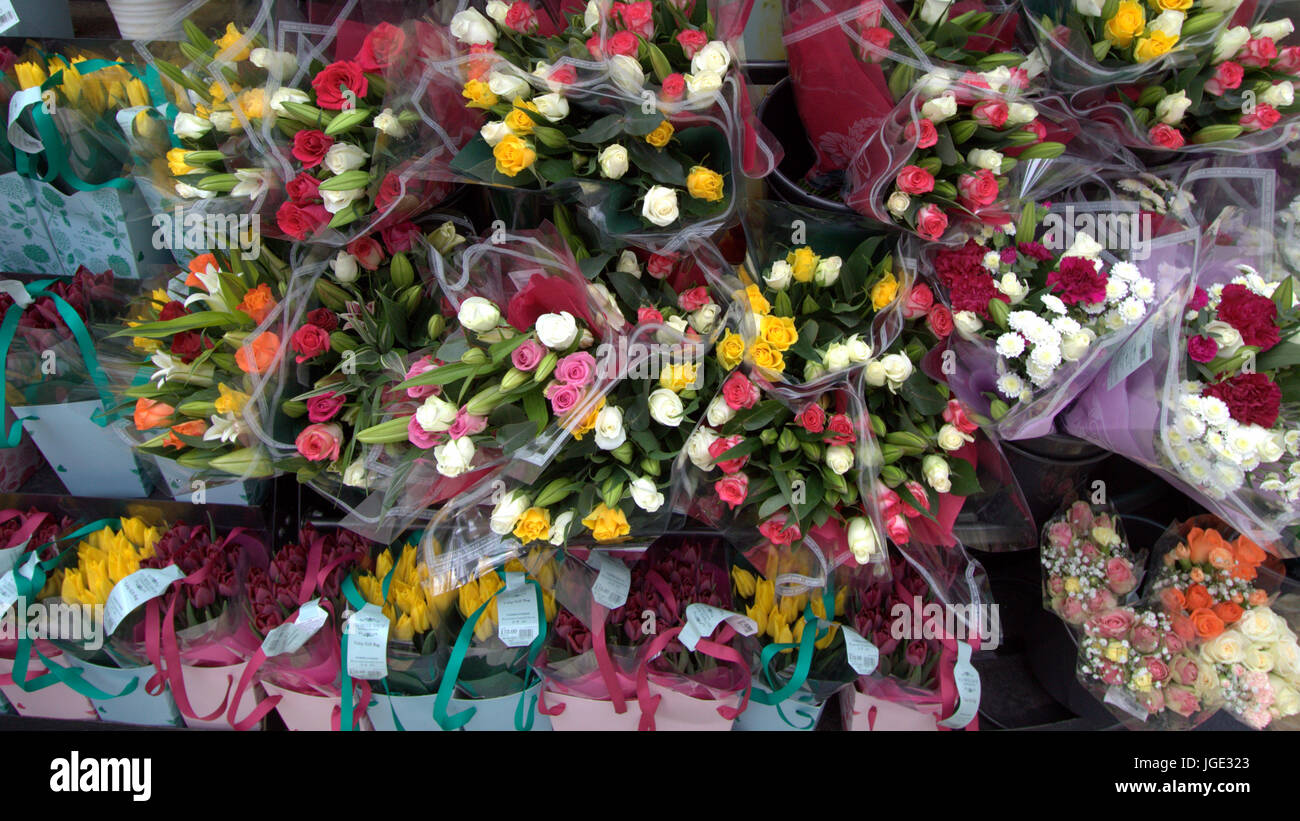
x=356 y=601
x=805 y=650
x=524 y=710
x=9 y=328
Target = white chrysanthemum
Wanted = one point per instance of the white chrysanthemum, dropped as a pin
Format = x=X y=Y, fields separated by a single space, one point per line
x=1228 y=477
x=1112 y=321
x=1198 y=471
x=1126 y=271
x=1143 y=288
x=1054 y=304
x=1093 y=308
x=1192 y=402
x=1189 y=425
x=1184 y=455
x=1294 y=469
x=1010 y=385
x=1175 y=437
x=1116 y=289
x=1040 y=374
x=1192 y=386
x=1021 y=320
x=1047 y=356
x=1065 y=325
x=992 y=260
x=1010 y=345
x=1216 y=293
x=1132 y=310
x=1215 y=441
x=1292 y=441
x=1272 y=486
x=1214 y=411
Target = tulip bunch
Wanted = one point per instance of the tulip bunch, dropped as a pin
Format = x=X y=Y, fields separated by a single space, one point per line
x=782 y=620
x=538 y=563
x=414 y=612
x=105 y=557
x=1088 y=567
x=274 y=594
x=873 y=609
x=192 y=548
x=207 y=362
x=15 y=523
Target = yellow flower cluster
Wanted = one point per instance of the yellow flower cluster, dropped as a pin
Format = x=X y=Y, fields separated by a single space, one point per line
x=538 y=564
x=105 y=558
x=775 y=334
x=782 y=620
x=1129 y=24
x=96 y=92
x=607 y=524
x=410 y=607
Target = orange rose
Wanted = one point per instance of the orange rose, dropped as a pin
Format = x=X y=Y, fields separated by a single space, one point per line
x=1206 y=623
x=199 y=265
x=151 y=414
x=1173 y=600
x=194 y=427
x=1222 y=558
x=1258 y=598
x=1197 y=597
x=258 y=303
x=1244 y=571
x=259 y=353
x=1227 y=611
x=1249 y=552
x=1197 y=575
x=1201 y=542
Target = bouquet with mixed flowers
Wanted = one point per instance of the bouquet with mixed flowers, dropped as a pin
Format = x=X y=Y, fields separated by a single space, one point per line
x=1088 y=565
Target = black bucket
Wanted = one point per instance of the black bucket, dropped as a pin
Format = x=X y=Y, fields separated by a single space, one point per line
x=1052 y=470
x=779 y=113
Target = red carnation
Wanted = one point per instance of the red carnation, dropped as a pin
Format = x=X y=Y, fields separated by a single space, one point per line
x=1254 y=316
x=173 y=310
x=1252 y=398
x=187 y=345
x=1076 y=280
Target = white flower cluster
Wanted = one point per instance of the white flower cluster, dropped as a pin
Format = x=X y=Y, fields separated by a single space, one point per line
x=1257 y=662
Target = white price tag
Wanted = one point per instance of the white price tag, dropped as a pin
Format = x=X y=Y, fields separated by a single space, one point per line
x=366 y=634
x=292 y=635
x=968 y=690
x=703 y=619
x=135 y=590
x=8 y=17
x=613 y=581
x=1123 y=699
x=863 y=655
x=1134 y=353
x=9 y=557
x=9 y=585
x=517 y=612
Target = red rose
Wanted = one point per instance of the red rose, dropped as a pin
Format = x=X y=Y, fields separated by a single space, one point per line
x=1263 y=118
x=878 y=37
x=391 y=190
x=839 y=431
x=691 y=41
x=521 y=17
x=398 y=238
x=978 y=190
x=693 y=299
x=674 y=86
x=1288 y=60
x=931 y=221
x=623 y=42
x=323 y=318
x=1252 y=398
x=382 y=47
x=723 y=444
x=918 y=302
x=187 y=345
x=914 y=179
x=739 y=392
x=310 y=147
x=1166 y=136
x=1040 y=130
x=564 y=75
x=1254 y=316
x=596 y=47
x=1226 y=77
x=660 y=266
x=310 y=341
x=955 y=414
x=991 y=112
x=172 y=310
x=924 y=136
x=1258 y=52
x=940 y=320
x=367 y=252
x=334 y=78
x=303 y=189
x=545 y=295
x=323 y=407
x=813 y=418
x=300 y=221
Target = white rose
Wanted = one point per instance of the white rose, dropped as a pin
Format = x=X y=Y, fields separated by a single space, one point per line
x=507 y=512
x=985 y=158
x=1226 y=648
x=355 y=475
x=875 y=374
x=455 y=456
x=473 y=28
x=935 y=471
x=1279 y=95
x=1258 y=659
x=780 y=275
x=1228 y=337
x=223 y=121
x=1088 y=8
x=287 y=95
x=1229 y=43
x=508 y=86
x=591 y=16
x=939 y=108
x=697 y=448
x=998 y=78
x=836 y=357
x=494 y=133
x=1270 y=448
x=1274 y=30
x=713 y=58
x=609 y=428
x=1021 y=113
x=387 y=122
x=968 y=322
x=627 y=264
x=1169 y=22
x=897 y=367
x=951 y=438
x=665 y=407
x=646 y=494
x=933 y=83
x=704 y=83
x=613 y=161
x=719 y=412
x=1084 y=246
x=660 y=206
x=344 y=157
x=557 y=331
x=1075 y=345
x=560 y=528
x=497 y=10
x=277 y=63
x=478 y=314
x=862 y=539
x=839 y=458
x=189 y=127
x=552 y=106
x=345 y=267
x=1286 y=655
x=626 y=73
x=1172 y=107
x=336 y=201
x=898 y=203
x=828 y=271
x=858 y=349
x=932 y=10
x=1259 y=625
x=678 y=326
x=704 y=318
x=1035 y=64
x=1011 y=286
x=1286 y=699
x=435 y=415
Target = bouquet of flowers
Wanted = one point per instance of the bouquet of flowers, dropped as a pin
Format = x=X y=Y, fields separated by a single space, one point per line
x=1088 y=565
x=1257 y=662
x=1204 y=582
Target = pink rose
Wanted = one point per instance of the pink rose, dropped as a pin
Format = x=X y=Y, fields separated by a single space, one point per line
x=1080 y=517
x=1090 y=551
x=1185 y=670
x=422 y=365
x=660 y=266
x=367 y=252
x=596 y=47
x=880 y=38
x=1056 y=585
x=400 y=237
x=955 y=414
x=1166 y=136
x=649 y=316
x=564 y=397
x=1259 y=52
x=564 y=75
x=991 y=112
x=637 y=18
x=888 y=501
x=919 y=300
x=920 y=498
x=931 y=222
x=1264 y=117
x=420 y=437
x=623 y=42
x=1158 y=669
x=979 y=189
x=1111 y=674
x=319 y=442
x=739 y=392
x=777 y=530
x=1101 y=601
x=1174 y=643
x=323 y=407
x=1072 y=611
x=1019 y=78
x=939 y=319
x=691 y=41
x=897 y=530
x=528 y=355
x=693 y=299
x=925 y=136
x=1182 y=701
x=521 y=17
x=1288 y=60
x=732 y=489
x=673 y=87
x=1226 y=77
x=914 y=179
x=1059 y=535
x=466 y=424
x=1119 y=575
x=1146 y=639
x=723 y=444
x=576 y=369
x=1113 y=624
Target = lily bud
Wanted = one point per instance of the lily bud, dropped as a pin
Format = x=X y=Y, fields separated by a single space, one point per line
x=623 y=453
x=650 y=467
x=611 y=491
x=482 y=403
x=892 y=475
x=513 y=379
x=401 y=271
x=292 y=408
x=436 y=325
x=545 y=367
x=787 y=441
x=812 y=451
x=768 y=436
x=474 y=356
x=552 y=493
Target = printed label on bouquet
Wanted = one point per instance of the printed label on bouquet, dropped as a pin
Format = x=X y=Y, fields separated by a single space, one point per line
x=613 y=582
x=517 y=612
x=135 y=590
x=366 y=634
x=18 y=137
x=9 y=585
x=863 y=655
x=1123 y=699
x=8 y=17
x=292 y=635
x=703 y=619
x=968 y=690
x=1133 y=355
x=16 y=291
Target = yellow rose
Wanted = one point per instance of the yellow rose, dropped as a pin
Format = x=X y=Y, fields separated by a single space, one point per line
x=779 y=332
x=703 y=184
x=804 y=263
x=513 y=155
x=228 y=39
x=661 y=135
x=253 y=103
x=519 y=120
x=533 y=525
x=677 y=377
x=1072 y=585
x=1149 y=48
x=218 y=91
x=606 y=523
x=884 y=291
x=1116 y=652
x=1128 y=22
x=767 y=357
x=479 y=95
x=757 y=302
x=1172 y=5
x=731 y=350
x=1141 y=681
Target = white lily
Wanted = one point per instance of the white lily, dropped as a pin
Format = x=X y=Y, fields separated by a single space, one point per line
x=211 y=281
x=169 y=367
x=252 y=182
x=225 y=428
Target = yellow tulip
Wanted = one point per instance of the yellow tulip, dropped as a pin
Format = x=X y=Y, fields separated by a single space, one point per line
x=30 y=75
x=136 y=93
x=403 y=629
x=759 y=615
x=789 y=607
x=744 y=581
x=764 y=594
